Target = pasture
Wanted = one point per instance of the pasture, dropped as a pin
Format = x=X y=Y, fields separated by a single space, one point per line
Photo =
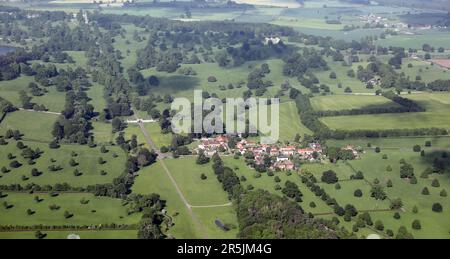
x=348 y=102
x=198 y=192
x=436 y=115
x=86 y=163
x=97 y=211
x=88 y=234
x=34 y=125
x=433 y=224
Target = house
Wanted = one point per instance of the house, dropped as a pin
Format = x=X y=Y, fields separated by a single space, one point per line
x=351 y=148
x=273 y=40
x=306 y=152
x=282 y=158
x=284 y=165
x=274 y=151
x=287 y=151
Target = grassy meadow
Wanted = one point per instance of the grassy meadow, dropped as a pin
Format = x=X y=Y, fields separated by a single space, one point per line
x=86 y=159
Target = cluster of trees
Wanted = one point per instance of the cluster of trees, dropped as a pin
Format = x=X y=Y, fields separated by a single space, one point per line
x=255 y=78
x=297 y=65
x=5 y=107
x=262 y=215
x=152 y=219
x=311 y=182
x=121 y=186
x=74 y=123
x=439 y=85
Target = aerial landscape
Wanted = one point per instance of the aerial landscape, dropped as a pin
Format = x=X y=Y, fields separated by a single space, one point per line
x=358 y=94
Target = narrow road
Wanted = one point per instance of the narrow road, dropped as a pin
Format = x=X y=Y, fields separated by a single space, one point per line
x=212 y=206
x=174 y=183
x=47 y=112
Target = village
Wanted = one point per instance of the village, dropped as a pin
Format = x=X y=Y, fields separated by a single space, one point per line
x=276 y=157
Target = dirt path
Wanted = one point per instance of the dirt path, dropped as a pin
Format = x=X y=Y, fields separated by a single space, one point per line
x=172 y=179
x=47 y=112
x=211 y=206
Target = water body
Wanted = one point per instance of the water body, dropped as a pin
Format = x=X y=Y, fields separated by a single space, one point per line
x=6 y=49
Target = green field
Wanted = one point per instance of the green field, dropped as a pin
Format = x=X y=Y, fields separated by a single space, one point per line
x=88 y=234
x=34 y=125
x=427 y=72
x=290 y=123
x=198 y=192
x=395 y=143
x=268 y=183
x=184 y=86
x=98 y=211
x=87 y=159
x=433 y=224
x=348 y=102
x=437 y=107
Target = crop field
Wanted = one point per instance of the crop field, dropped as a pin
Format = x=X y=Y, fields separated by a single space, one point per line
x=86 y=162
x=435 y=38
x=279 y=3
x=290 y=123
x=97 y=211
x=436 y=115
x=348 y=102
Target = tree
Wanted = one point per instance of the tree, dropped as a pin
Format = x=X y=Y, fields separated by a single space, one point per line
x=329 y=177
x=358 y=193
x=333 y=75
x=416 y=225
x=202 y=159
x=396 y=204
x=103 y=149
x=350 y=210
x=379 y=225
x=149 y=230
x=337 y=186
x=203 y=177
x=117 y=125
x=435 y=183
x=67 y=214
x=415 y=209
x=39 y=235
x=437 y=207
x=377 y=150
x=291 y=190
x=417 y=148
x=406 y=170
x=389 y=183
x=425 y=191
x=403 y=234
x=145 y=157
x=377 y=192
x=443 y=193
